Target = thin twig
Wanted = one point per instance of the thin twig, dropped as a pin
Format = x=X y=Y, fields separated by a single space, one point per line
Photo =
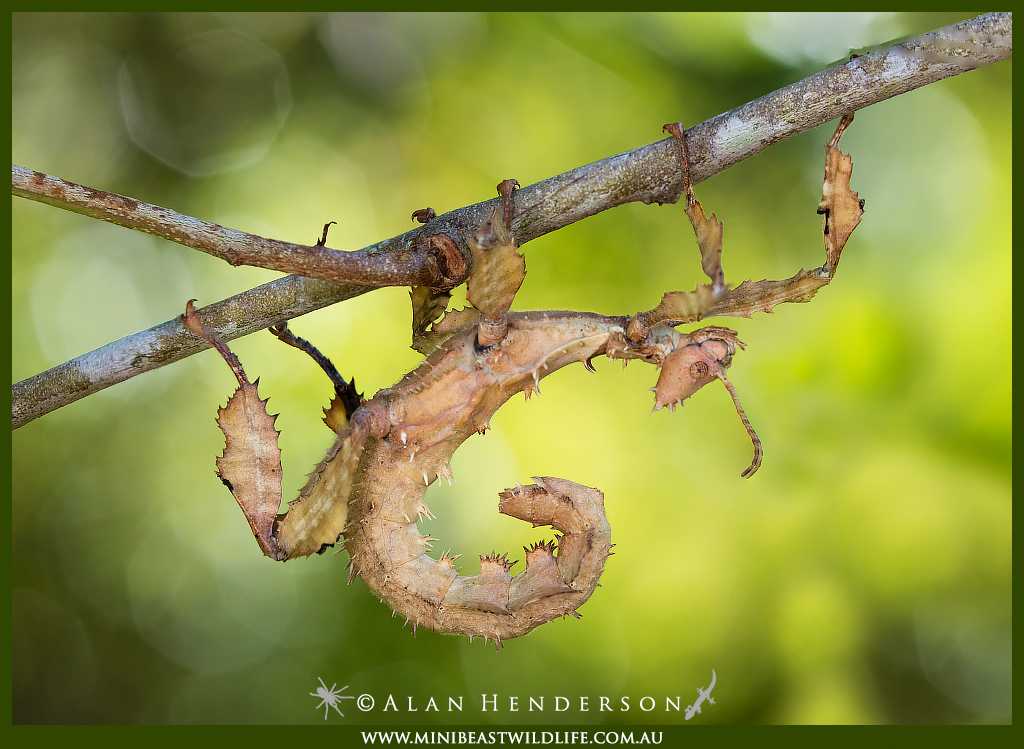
x=648 y=174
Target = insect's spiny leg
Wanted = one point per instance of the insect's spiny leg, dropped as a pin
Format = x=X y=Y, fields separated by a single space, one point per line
x=196 y=326
x=346 y=391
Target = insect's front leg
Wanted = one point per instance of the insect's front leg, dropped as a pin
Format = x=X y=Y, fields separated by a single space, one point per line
x=693 y=360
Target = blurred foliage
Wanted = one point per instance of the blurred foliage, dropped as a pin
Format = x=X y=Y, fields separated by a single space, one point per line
x=863 y=575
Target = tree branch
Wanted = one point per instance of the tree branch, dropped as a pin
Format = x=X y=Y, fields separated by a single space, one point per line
x=436 y=254
x=421 y=260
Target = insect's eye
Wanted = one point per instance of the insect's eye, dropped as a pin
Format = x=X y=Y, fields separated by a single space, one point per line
x=698 y=370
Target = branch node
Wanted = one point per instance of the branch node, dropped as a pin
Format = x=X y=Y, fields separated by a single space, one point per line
x=451 y=264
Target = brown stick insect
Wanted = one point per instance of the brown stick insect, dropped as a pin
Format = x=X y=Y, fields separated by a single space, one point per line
x=368 y=493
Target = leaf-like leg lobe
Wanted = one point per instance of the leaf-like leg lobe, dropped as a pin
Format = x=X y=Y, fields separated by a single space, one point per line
x=251 y=463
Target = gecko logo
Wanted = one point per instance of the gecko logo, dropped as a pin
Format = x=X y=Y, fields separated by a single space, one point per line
x=702 y=694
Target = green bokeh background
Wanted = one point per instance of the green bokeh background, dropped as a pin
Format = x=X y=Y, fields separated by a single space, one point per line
x=864 y=573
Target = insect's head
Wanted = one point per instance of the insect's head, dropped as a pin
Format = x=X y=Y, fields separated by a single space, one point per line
x=689 y=368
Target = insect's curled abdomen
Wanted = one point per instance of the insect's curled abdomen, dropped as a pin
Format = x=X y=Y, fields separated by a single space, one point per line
x=391 y=558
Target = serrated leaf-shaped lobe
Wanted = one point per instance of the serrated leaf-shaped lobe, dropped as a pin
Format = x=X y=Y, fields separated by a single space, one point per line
x=251 y=464
x=498 y=272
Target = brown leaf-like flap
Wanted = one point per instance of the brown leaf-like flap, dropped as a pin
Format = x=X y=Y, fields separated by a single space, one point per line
x=427 y=306
x=684 y=306
x=317 y=517
x=707 y=230
x=498 y=271
x=762 y=296
x=452 y=322
x=676 y=307
x=709 y=238
x=840 y=204
x=456 y=320
x=251 y=464
x=336 y=415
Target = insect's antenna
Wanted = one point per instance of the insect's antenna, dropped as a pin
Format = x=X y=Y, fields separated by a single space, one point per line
x=758 y=452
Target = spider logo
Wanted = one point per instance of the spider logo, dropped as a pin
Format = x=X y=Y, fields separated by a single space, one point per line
x=329 y=697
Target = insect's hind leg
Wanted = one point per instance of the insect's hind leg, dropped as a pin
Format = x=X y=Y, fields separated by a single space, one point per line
x=316 y=520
